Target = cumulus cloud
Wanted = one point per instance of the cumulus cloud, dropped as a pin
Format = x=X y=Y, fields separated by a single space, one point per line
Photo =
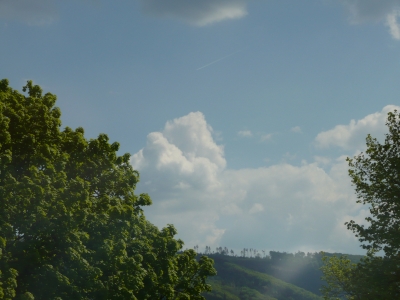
x=352 y=136
x=245 y=133
x=183 y=156
x=180 y=168
x=302 y=208
x=373 y=10
x=282 y=206
x=198 y=13
x=36 y=12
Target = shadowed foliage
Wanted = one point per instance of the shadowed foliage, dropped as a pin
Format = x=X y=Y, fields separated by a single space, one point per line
x=71 y=226
x=375 y=175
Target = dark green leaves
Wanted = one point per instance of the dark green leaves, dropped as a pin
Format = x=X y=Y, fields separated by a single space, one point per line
x=71 y=226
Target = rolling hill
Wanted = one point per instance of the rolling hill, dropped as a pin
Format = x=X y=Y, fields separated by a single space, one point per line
x=280 y=276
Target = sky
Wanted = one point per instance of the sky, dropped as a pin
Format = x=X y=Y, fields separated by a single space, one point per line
x=238 y=114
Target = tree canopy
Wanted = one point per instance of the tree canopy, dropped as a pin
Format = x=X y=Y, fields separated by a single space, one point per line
x=376 y=177
x=71 y=226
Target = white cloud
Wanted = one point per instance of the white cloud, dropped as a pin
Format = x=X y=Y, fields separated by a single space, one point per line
x=394 y=26
x=296 y=129
x=245 y=133
x=36 y=12
x=198 y=13
x=311 y=198
x=185 y=173
x=352 y=136
x=375 y=10
x=181 y=165
x=183 y=156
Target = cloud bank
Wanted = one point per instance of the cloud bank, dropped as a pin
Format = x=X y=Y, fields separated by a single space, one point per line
x=36 y=12
x=371 y=10
x=352 y=136
x=204 y=12
x=282 y=207
x=198 y=13
x=387 y=11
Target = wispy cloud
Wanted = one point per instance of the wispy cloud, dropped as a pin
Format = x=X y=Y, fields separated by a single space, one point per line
x=245 y=133
x=257 y=207
x=266 y=137
x=38 y=12
x=296 y=129
x=198 y=13
x=289 y=156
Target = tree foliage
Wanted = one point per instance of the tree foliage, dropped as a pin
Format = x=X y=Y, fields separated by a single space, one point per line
x=376 y=177
x=71 y=226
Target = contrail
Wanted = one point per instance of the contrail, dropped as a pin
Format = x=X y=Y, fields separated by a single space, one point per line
x=215 y=61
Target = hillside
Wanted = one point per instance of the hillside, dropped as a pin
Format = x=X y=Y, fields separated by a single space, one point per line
x=280 y=276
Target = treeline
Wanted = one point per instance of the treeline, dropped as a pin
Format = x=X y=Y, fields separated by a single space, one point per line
x=245 y=252
x=272 y=255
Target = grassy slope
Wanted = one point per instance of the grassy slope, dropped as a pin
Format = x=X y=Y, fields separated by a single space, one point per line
x=252 y=278
x=236 y=282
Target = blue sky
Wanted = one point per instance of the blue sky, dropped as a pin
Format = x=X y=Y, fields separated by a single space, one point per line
x=238 y=114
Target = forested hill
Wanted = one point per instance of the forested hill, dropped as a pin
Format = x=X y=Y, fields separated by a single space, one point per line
x=281 y=276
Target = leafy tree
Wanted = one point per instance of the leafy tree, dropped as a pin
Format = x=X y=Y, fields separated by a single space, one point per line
x=369 y=279
x=71 y=226
x=337 y=272
x=376 y=177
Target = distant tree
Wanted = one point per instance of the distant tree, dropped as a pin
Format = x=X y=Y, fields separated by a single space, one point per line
x=226 y=251
x=71 y=226
x=376 y=177
x=275 y=256
x=243 y=252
